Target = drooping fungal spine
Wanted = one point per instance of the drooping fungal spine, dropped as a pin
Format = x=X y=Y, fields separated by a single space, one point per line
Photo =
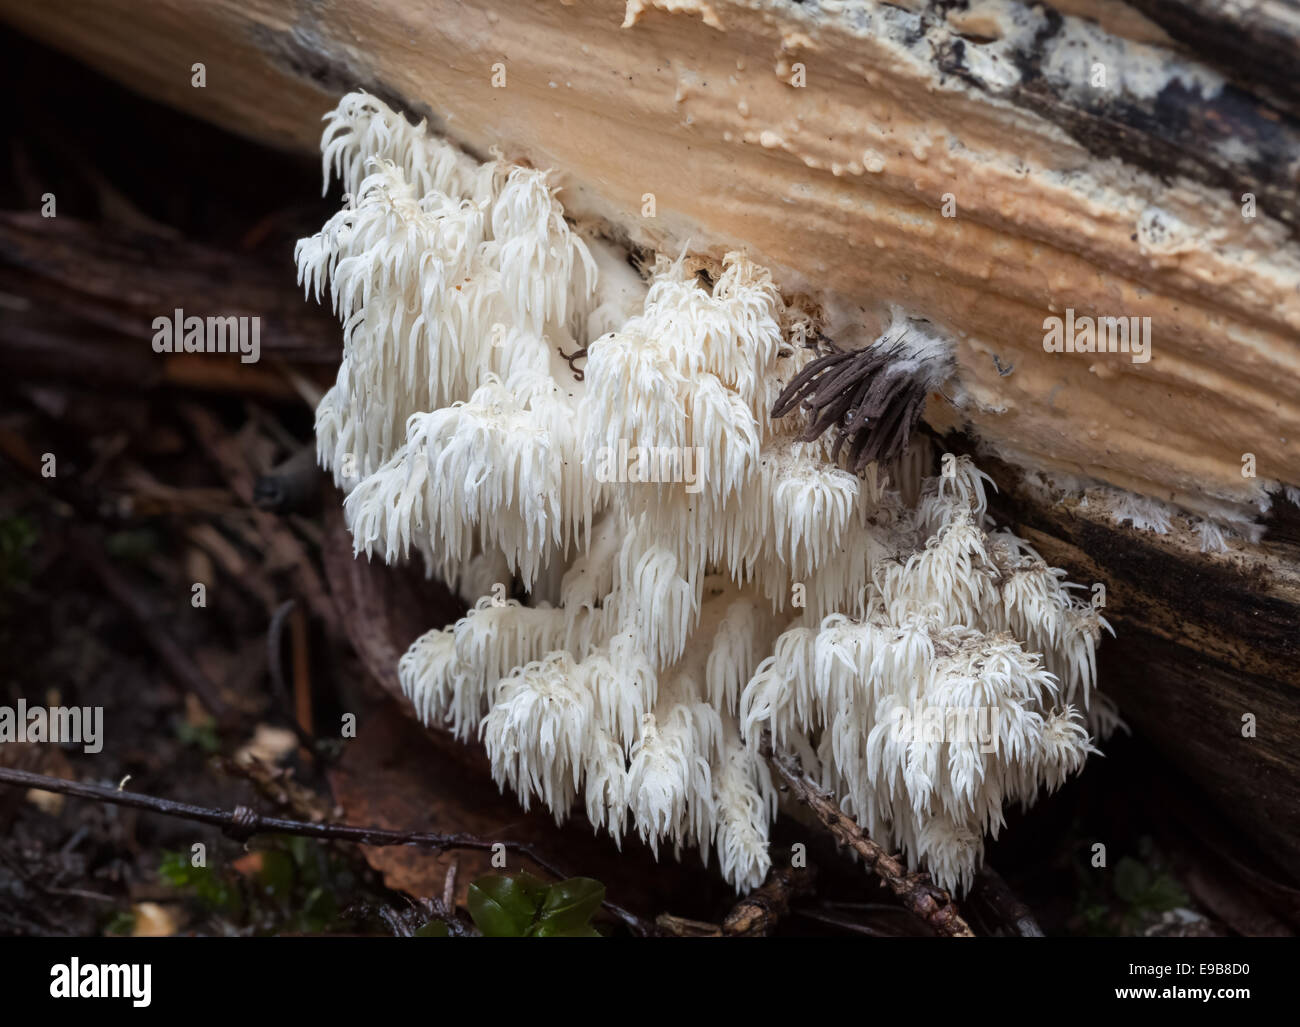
x=697 y=567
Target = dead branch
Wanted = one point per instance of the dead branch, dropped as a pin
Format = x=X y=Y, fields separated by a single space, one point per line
x=754 y=916
x=680 y=927
x=242 y=823
x=278 y=538
x=928 y=901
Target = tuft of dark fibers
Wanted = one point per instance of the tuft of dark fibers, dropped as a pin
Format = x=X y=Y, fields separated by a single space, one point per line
x=869 y=403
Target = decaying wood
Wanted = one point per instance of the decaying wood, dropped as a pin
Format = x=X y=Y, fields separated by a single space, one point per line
x=83 y=297
x=1207 y=649
x=681 y=927
x=1254 y=40
x=1119 y=202
x=826 y=144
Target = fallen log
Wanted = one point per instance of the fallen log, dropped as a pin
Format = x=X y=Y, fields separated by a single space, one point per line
x=1123 y=198
x=987 y=165
x=84 y=299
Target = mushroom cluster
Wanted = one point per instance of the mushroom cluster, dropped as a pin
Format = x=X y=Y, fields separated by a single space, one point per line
x=697 y=571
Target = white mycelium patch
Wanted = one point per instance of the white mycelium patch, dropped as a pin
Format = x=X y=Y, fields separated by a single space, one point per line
x=668 y=625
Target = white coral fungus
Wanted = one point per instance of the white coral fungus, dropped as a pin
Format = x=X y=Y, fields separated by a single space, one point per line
x=669 y=621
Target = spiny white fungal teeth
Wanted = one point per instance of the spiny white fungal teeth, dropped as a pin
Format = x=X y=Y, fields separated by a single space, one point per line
x=696 y=575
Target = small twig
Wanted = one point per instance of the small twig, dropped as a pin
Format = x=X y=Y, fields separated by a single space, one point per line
x=924 y=898
x=242 y=572
x=680 y=927
x=278 y=539
x=825 y=914
x=302 y=705
x=396 y=922
x=449 y=886
x=577 y=354
x=242 y=823
x=754 y=916
x=80 y=893
x=275 y=668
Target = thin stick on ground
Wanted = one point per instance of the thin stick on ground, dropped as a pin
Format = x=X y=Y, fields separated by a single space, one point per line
x=757 y=914
x=242 y=823
x=919 y=894
x=754 y=916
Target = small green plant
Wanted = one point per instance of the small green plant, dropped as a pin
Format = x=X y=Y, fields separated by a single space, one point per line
x=524 y=907
x=17 y=536
x=121 y=924
x=1147 y=890
x=204 y=883
x=299 y=877
x=202 y=736
x=292 y=890
x=1135 y=894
